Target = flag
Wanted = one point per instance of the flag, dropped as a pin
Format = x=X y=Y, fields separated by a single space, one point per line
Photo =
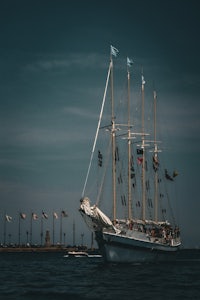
x=34 y=216
x=129 y=62
x=143 y=81
x=155 y=160
x=22 y=216
x=175 y=173
x=139 y=151
x=44 y=215
x=64 y=214
x=55 y=215
x=139 y=160
x=114 y=51
x=8 y=218
x=168 y=176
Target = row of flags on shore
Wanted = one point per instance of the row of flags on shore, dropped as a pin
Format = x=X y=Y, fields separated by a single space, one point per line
x=34 y=216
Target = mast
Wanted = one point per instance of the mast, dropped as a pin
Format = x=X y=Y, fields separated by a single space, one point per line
x=143 y=156
x=129 y=145
x=113 y=136
x=156 y=161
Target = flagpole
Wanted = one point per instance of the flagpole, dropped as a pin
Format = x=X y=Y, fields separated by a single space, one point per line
x=61 y=216
x=31 y=229
x=41 y=233
x=53 y=229
x=19 y=231
x=73 y=233
x=4 y=229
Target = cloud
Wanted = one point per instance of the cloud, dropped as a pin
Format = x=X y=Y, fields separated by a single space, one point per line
x=80 y=112
x=59 y=61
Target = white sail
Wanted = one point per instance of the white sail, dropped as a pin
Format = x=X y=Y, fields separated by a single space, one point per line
x=94 y=216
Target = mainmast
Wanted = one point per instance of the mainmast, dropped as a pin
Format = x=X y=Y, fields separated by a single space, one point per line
x=129 y=63
x=143 y=156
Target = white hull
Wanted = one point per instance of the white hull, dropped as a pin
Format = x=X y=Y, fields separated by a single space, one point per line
x=116 y=248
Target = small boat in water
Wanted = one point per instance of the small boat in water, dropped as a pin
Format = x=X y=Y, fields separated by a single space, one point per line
x=77 y=254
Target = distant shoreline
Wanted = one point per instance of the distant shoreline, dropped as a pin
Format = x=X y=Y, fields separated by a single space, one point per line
x=63 y=249
x=41 y=249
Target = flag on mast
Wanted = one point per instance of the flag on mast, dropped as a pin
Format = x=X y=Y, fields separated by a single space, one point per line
x=34 y=216
x=55 y=215
x=64 y=214
x=8 y=218
x=143 y=81
x=129 y=62
x=114 y=51
x=44 y=215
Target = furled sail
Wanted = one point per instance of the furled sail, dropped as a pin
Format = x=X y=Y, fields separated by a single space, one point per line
x=94 y=217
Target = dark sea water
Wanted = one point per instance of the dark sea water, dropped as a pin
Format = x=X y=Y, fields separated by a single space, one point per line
x=53 y=276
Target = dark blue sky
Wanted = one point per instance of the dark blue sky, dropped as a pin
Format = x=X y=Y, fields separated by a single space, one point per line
x=53 y=63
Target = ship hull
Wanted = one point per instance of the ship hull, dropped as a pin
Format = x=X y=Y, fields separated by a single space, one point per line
x=116 y=248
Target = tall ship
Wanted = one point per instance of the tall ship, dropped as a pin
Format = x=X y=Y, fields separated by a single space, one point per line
x=127 y=190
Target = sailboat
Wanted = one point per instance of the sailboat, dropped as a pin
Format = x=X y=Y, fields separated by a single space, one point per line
x=129 y=214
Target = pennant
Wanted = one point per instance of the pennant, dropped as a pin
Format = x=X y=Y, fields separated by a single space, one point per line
x=168 y=176
x=143 y=81
x=22 y=216
x=55 y=215
x=155 y=160
x=155 y=163
x=129 y=62
x=8 y=218
x=175 y=173
x=114 y=51
x=139 y=160
x=139 y=151
x=64 y=214
x=34 y=216
x=44 y=215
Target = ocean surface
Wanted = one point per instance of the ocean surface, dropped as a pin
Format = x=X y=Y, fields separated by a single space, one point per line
x=53 y=276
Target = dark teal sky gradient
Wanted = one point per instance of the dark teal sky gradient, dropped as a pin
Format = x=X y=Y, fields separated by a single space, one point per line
x=53 y=62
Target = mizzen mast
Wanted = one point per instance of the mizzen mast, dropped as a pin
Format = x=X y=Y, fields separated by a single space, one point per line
x=155 y=162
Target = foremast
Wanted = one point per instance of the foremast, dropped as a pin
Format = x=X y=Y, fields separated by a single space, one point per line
x=113 y=52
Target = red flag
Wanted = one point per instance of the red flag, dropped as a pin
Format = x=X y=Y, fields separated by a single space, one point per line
x=139 y=160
